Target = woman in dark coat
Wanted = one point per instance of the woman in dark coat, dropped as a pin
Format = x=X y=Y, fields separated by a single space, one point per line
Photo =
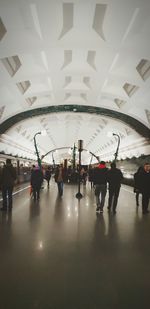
x=36 y=182
x=48 y=175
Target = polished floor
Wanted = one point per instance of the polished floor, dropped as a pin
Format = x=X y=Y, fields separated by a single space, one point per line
x=59 y=253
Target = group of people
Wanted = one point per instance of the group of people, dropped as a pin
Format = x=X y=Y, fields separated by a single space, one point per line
x=37 y=177
x=100 y=177
x=113 y=176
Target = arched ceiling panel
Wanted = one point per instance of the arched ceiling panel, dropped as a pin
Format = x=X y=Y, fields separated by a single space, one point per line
x=84 y=53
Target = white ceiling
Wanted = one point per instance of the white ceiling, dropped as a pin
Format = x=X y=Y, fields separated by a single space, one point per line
x=83 y=52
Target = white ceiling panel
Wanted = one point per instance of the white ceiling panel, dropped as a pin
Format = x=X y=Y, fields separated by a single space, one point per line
x=83 y=53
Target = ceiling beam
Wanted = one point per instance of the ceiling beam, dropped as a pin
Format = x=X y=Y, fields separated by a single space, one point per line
x=135 y=124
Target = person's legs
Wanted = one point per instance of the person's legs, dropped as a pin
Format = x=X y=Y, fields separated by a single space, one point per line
x=145 y=202
x=103 y=190
x=34 y=193
x=137 y=198
x=110 y=198
x=60 y=188
x=97 y=194
x=116 y=194
x=4 y=196
x=10 y=190
x=38 y=192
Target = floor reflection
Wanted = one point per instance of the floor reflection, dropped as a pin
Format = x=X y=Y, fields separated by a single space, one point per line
x=34 y=209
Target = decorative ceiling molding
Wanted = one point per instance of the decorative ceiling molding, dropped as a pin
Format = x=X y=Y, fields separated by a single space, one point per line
x=31 y=101
x=18 y=129
x=2 y=30
x=68 y=80
x=148 y=115
x=83 y=96
x=119 y=103
x=2 y=111
x=130 y=89
x=143 y=69
x=86 y=81
x=8 y=141
x=24 y=133
x=91 y=58
x=35 y=17
x=11 y=64
x=128 y=131
x=67 y=58
x=67 y=96
x=100 y=11
x=68 y=9
x=23 y=86
x=132 y=122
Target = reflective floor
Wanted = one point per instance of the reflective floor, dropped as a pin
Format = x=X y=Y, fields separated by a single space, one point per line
x=58 y=253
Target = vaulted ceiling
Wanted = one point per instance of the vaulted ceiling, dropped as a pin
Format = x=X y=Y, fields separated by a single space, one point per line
x=90 y=56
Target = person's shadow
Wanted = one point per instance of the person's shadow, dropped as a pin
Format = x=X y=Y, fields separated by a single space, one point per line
x=59 y=209
x=34 y=209
x=99 y=234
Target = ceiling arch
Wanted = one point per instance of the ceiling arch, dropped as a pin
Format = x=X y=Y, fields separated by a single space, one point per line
x=54 y=76
x=132 y=122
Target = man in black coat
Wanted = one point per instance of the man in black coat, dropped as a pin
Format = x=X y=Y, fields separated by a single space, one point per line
x=137 y=184
x=144 y=184
x=8 y=177
x=114 y=178
x=100 y=183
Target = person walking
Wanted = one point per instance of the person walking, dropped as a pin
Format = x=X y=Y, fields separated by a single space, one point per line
x=137 y=184
x=90 y=175
x=48 y=175
x=114 y=178
x=144 y=186
x=59 y=178
x=100 y=183
x=8 y=177
x=36 y=182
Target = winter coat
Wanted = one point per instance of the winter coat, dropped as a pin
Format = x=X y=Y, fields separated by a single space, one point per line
x=114 y=177
x=100 y=175
x=8 y=176
x=144 y=182
x=36 y=178
x=137 y=182
x=47 y=174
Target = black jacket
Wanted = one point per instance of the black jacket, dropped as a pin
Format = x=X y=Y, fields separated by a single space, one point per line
x=8 y=176
x=144 y=182
x=100 y=176
x=114 y=177
x=36 y=178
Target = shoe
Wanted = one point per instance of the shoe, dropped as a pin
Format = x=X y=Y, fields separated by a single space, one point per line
x=97 y=209
x=101 y=210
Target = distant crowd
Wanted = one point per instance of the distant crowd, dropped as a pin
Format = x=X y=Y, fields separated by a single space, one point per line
x=100 y=178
